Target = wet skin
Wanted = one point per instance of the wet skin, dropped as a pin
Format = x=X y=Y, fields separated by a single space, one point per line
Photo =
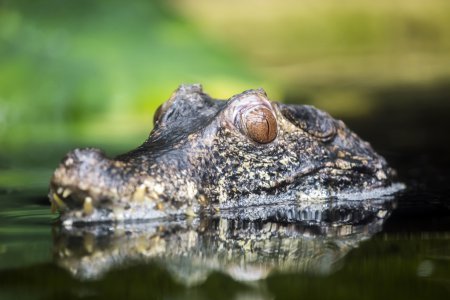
x=207 y=155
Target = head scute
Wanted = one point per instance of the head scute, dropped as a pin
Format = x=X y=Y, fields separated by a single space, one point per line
x=310 y=119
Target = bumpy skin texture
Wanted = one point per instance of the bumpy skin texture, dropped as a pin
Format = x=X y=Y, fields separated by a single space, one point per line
x=199 y=158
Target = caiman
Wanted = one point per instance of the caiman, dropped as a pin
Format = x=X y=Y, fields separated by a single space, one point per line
x=208 y=156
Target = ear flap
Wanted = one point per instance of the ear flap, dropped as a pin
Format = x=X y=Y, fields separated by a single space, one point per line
x=308 y=118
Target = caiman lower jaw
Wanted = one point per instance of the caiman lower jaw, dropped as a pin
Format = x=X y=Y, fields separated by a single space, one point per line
x=77 y=207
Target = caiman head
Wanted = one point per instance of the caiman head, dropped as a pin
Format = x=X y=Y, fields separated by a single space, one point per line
x=207 y=155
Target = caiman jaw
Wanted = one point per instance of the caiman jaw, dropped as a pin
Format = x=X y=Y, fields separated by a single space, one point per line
x=88 y=187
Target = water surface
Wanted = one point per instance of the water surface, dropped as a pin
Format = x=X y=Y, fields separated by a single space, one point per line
x=402 y=253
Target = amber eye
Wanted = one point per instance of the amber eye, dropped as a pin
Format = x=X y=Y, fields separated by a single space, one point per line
x=158 y=113
x=259 y=124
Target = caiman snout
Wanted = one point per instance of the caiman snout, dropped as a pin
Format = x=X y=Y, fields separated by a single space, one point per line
x=90 y=187
x=84 y=179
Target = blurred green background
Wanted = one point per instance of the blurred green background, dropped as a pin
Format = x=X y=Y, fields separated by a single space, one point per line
x=91 y=73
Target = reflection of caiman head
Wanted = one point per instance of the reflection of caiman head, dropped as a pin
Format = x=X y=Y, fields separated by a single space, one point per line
x=190 y=249
x=205 y=155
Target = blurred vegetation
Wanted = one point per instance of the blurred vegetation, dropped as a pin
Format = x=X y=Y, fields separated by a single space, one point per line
x=93 y=72
x=79 y=73
x=334 y=54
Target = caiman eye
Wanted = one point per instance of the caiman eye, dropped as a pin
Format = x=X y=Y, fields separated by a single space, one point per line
x=259 y=124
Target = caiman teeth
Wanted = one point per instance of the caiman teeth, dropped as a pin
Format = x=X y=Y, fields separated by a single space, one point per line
x=66 y=193
x=139 y=193
x=58 y=197
x=88 y=208
x=58 y=202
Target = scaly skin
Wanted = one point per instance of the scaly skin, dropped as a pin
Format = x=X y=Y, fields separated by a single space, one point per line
x=199 y=159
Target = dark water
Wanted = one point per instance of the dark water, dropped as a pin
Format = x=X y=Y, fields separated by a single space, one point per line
x=378 y=253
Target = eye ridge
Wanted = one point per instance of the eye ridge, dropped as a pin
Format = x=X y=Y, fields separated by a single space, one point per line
x=157 y=115
x=162 y=112
x=259 y=124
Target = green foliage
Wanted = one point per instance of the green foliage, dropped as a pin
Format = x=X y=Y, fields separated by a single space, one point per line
x=334 y=54
x=71 y=69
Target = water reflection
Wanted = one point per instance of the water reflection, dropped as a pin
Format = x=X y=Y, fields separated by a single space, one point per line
x=285 y=239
